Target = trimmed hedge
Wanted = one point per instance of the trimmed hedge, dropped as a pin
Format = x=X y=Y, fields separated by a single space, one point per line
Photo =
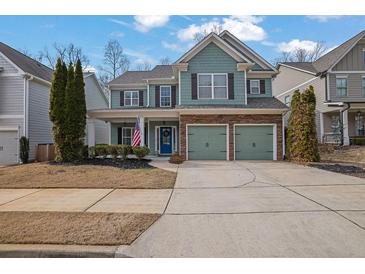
x=104 y=150
x=141 y=152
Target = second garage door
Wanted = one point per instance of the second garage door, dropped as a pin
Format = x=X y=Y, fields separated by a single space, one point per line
x=254 y=142
x=207 y=142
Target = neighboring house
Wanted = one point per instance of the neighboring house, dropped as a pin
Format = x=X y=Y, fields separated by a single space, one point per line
x=214 y=103
x=338 y=78
x=24 y=104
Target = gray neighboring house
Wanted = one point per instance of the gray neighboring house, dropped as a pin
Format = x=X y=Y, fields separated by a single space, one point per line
x=24 y=103
x=338 y=78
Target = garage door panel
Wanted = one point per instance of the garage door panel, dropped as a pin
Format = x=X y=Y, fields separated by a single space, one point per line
x=254 y=143
x=207 y=143
x=8 y=147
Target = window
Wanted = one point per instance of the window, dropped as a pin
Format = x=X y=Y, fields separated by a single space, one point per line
x=363 y=86
x=165 y=96
x=127 y=135
x=212 y=86
x=131 y=98
x=341 y=87
x=255 y=86
x=287 y=100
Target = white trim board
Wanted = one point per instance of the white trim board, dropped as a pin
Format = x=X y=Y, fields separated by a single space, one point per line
x=198 y=125
x=254 y=125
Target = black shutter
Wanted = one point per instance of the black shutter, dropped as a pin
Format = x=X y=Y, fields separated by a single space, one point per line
x=157 y=96
x=194 y=86
x=262 y=86
x=141 y=98
x=119 y=135
x=122 y=98
x=230 y=86
x=248 y=87
x=173 y=96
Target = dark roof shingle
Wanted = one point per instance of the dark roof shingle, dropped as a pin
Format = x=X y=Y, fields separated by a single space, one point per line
x=26 y=63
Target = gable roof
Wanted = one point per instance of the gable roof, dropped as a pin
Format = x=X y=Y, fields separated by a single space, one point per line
x=247 y=51
x=213 y=38
x=27 y=64
x=140 y=77
x=330 y=59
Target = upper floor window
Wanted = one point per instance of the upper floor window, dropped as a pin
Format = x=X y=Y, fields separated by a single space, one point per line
x=165 y=96
x=131 y=98
x=363 y=86
x=341 y=87
x=255 y=86
x=212 y=86
x=287 y=100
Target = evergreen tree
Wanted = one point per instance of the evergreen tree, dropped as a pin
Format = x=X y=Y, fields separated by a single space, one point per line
x=80 y=101
x=294 y=134
x=57 y=107
x=70 y=117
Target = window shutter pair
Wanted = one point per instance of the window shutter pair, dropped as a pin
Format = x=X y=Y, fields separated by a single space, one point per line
x=173 y=96
x=119 y=135
x=140 y=95
x=194 y=86
x=262 y=86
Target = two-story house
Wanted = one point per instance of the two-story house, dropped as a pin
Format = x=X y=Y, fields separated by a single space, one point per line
x=24 y=104
x=338 y=78
x=214 y=103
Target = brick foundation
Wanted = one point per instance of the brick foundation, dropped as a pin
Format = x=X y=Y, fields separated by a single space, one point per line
x=231 y=120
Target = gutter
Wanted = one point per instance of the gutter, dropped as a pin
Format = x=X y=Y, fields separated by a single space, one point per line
x=348 y=105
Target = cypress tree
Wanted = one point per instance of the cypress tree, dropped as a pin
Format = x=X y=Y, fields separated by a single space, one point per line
x=56 y=108
x=81 y=103
x=294 y=127
x=70 y=117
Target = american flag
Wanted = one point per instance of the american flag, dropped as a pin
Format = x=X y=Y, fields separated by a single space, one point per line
x=136 y=134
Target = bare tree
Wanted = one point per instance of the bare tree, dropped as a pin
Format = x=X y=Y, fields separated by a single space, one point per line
x=115 y=61
x=143 y=66
x=217 y=28
x=165 y=61
x=303 y=55
x=68 y=53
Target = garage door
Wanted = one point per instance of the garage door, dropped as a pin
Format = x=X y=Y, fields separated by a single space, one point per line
x=207 y=143
x=8 y=146
x=254 y=142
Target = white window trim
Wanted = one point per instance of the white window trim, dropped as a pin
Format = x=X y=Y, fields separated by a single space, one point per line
x=289 y=99
x=165 y=96
x=131 y=91
x=131 y=128
x=258 y=85
x=342 y=77
x=212 y=87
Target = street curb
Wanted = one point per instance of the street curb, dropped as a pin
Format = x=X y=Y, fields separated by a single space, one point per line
x=56 y=251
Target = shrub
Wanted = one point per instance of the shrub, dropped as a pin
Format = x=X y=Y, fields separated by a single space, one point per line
x=141 y=152
x=101 y=150
x=85 y=152
x=92 y=152
x=124 y=150
x=24 y=149
x=113 y=151
x=359 y=141
x=176 y=159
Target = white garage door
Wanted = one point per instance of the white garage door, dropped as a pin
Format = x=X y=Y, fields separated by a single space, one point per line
x=8 y=146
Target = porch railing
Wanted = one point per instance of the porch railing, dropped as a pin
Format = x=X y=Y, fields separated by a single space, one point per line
x=332 y=138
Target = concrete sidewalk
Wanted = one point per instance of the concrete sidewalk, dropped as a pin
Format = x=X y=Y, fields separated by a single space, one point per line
x=257 y=209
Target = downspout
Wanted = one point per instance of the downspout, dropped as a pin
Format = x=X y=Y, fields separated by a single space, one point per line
x=27 y=78
x=148 y=94
x=283 y=133
x=348 y=105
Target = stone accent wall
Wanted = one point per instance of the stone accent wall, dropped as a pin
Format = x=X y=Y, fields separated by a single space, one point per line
x=231 y=120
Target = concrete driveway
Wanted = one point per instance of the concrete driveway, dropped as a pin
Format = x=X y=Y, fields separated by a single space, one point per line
x=257 y=209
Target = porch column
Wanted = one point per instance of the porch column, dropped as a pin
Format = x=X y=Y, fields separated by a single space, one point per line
x=345 y=123
x=91 y=133
x=141 y=122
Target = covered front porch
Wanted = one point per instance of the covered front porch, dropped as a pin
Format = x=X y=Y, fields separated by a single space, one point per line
x=345 y=127
x=159 y=128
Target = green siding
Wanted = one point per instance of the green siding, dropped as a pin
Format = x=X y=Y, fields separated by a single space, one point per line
x=268 y=88
x=116 y=98
x=212 y=59
x=254 y=143
x=207 y=143
x=152 y=136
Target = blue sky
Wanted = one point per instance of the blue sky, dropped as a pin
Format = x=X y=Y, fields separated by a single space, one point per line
x=150 y=38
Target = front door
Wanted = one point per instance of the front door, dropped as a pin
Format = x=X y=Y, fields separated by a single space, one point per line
x=165 y=140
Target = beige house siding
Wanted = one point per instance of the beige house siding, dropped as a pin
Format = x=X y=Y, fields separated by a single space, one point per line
x=353 y=60
x=354 y=87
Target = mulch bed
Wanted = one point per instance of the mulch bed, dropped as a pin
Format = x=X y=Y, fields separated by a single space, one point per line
x=81 y=228
x=125 y=164
x=342 y=168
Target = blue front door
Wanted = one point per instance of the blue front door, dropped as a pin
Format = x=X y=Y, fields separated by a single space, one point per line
x=165 y=140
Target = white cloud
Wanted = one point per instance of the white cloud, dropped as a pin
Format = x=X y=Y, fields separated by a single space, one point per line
x=144 y=23
x=140 y=57
x=323 y=18
x=172 y=46
x=90 y=69
x=296 y=44
x=117 y=34
x=120 y=22
x=243 y=27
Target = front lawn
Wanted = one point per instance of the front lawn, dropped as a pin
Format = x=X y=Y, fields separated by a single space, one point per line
x=83 y=228
x=50 y=175
x=350 y=154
